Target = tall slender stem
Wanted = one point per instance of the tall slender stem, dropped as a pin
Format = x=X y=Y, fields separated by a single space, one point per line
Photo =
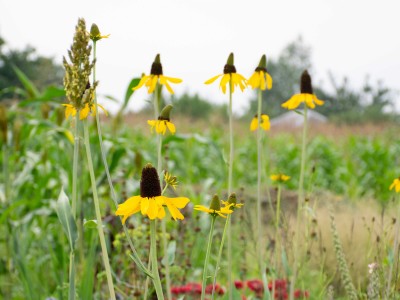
x=71 y=295
x=98 y=213
x=135 y=255
x=260 y=253
x=230 y=171
x=277 y=234
x=300 y=201
x=395 y=256
x=154 y=262
x=75 y=165
x=203 y=284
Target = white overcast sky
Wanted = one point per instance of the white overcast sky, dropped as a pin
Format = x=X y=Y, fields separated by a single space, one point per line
x=348 y=37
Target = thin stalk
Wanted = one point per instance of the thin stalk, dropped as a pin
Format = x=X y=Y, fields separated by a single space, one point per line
x=71 y=295
x=203 y=284
x=277 y=235
x=154 y=262
x=300 y=201
x=6 y=204
x=230 y=171
x=260 y=255
x=395 y=256
x=135 y=255
x=98 y=213
x=75 y=165
x=221 y=247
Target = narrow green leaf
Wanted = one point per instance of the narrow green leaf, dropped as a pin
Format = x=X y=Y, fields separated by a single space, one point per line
x=67 y=220
x=90 y=224
x=140 y=266
x=28 y=85
x=134 y=82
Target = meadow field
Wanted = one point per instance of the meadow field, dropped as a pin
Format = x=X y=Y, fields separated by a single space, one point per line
x=170 y=205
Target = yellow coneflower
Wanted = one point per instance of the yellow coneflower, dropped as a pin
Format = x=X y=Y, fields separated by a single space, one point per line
x=279 y=177
x=150 y=202
x=395 y=185
x=261 y=78
x=156 y=75
x=163 y=122
x=229 y=76
x=306 y=95
x=232 y=202
x=265 y=124
x=95 y=34
x=215 y=208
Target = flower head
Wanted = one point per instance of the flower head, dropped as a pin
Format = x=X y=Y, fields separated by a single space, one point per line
x=279 y=177
x=163 y=122
x=260 y=78
x=264 y=123
x=306 y=94
x=232 y=202
x=395 y=185
x=70 y=110
x=215 y=208
x=150 y=202
x=95 y=34
x=229 y=76
x=171 y=180
x=156 y=76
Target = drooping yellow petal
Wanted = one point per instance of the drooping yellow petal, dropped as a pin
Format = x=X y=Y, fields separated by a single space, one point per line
x=254 y=124
x=265 y=124
x=153 y=83
x=161 y=127
x=163 y=81
x=262 y=80
x=269 y=81
x=84 y=113
x=161 y=213
x=254 y=80
x=202 y=208
x=241 y=81
x=152 y=123
x=142 y=81
x=69 y=110
x=318 y=101
x=211 y=80
x=225 y=79
x=309 y=100
x=293 y=102
x=144 y=205
x=129 y=207
x=171 y=127
x=153 y=209
x=172 y=79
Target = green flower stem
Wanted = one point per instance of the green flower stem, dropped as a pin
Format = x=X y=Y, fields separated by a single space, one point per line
x=300 y=201
x=135 y=255
x=260 y=255
x=75 y=165
x=277 y=234
x=221 y=247
x=98 y=213
x=395 y=255
x=203 y=284
x=230 y=171
x=154 y=262
x=71 y=295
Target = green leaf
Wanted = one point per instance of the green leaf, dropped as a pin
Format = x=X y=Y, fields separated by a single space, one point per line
x=140 y=266
x=169 y=257
x=64 y=214
x=28 y=85
x=134 y=82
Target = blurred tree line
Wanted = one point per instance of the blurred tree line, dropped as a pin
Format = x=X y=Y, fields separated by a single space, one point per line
x=41 y=71
x=371 y=103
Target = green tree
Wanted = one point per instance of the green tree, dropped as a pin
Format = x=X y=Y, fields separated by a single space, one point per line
x=42 y=71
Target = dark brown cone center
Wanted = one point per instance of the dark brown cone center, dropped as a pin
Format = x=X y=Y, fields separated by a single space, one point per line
x=163 y=119
x=156 y=69
x=150 y=183
x=258 y=69
x=229 y=69
x=305 y=83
